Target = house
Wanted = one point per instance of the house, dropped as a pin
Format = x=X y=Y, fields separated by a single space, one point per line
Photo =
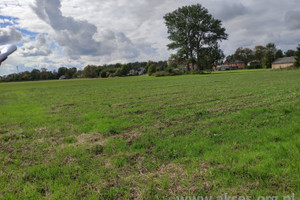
x=226 y=67
x=283 y=63
x=136 y=72
x=222 y=67
x=62 y=77
x=254 y=64
x=132 y=72
x=239 y=64
x=141 y=70
x=190 y=66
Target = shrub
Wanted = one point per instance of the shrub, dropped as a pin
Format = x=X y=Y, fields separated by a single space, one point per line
x=103 y=73
x=162 y=73
x=151 y=69
x=167 y=73
x=255 y=65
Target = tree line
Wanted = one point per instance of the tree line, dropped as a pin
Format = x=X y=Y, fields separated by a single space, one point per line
x=89 y=71
x=260 y=56
x=42 y=74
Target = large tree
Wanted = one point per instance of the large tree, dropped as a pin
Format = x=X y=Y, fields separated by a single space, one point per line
x=193 y=32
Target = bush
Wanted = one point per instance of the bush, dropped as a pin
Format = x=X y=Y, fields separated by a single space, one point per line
x=107 y=73
x=103 y=73
x=122 y=71
x=199 y=72
x=254 y=65
x=167 y=73
x=151 y=69
x=162 y=73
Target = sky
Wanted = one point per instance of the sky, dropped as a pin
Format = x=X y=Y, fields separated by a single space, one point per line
x=74 y=33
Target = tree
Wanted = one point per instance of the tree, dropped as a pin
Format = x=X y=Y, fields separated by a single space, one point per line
x=90 y=71
x=259 y=52
x=61 y=71
x=269 y=55
x=35 y=74
x=212 y=56
x=162 y=65
x=70 y=73
x=278 y=54
x=230 y=58
x=122 y=71
x=44 y=74
x=149 y=63
x=297 y=57
x=243 y=54
x=289 y=53
x=151 y=69
x=25 y=76
x=103 y=73
x=193 y=31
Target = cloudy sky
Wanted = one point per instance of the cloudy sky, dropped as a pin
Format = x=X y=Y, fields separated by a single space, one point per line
x=74 y=33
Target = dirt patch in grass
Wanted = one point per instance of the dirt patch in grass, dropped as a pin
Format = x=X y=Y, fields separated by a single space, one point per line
x=165 y=180
x=192 y=103
x=65 y=105
x=129 y=137
x=170 y=180
x=13 y=135
x=61 y=108
x=90 y=139
x=123 y=105
x=3 y=131
x=209 y=101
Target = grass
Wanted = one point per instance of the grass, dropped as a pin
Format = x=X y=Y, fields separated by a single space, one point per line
x=151 y=138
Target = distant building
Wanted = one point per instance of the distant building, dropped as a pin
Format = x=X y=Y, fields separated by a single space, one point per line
x=226 y=67
x=132 y=72
x=141 y=70
x=254 y=64
x=223 y=67
x=135 y=72
x=231 y=65
x=239 y=64
x=283 y=63
x=190 y=66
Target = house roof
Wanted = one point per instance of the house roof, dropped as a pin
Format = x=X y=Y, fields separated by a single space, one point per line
x=284 y=60
x=237 y=61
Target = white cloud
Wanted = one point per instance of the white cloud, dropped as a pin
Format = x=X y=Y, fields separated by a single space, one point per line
x=39 y=47
x=74 y=36
x=9 y=34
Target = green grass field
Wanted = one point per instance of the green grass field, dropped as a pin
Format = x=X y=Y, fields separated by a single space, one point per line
x=151 y=138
